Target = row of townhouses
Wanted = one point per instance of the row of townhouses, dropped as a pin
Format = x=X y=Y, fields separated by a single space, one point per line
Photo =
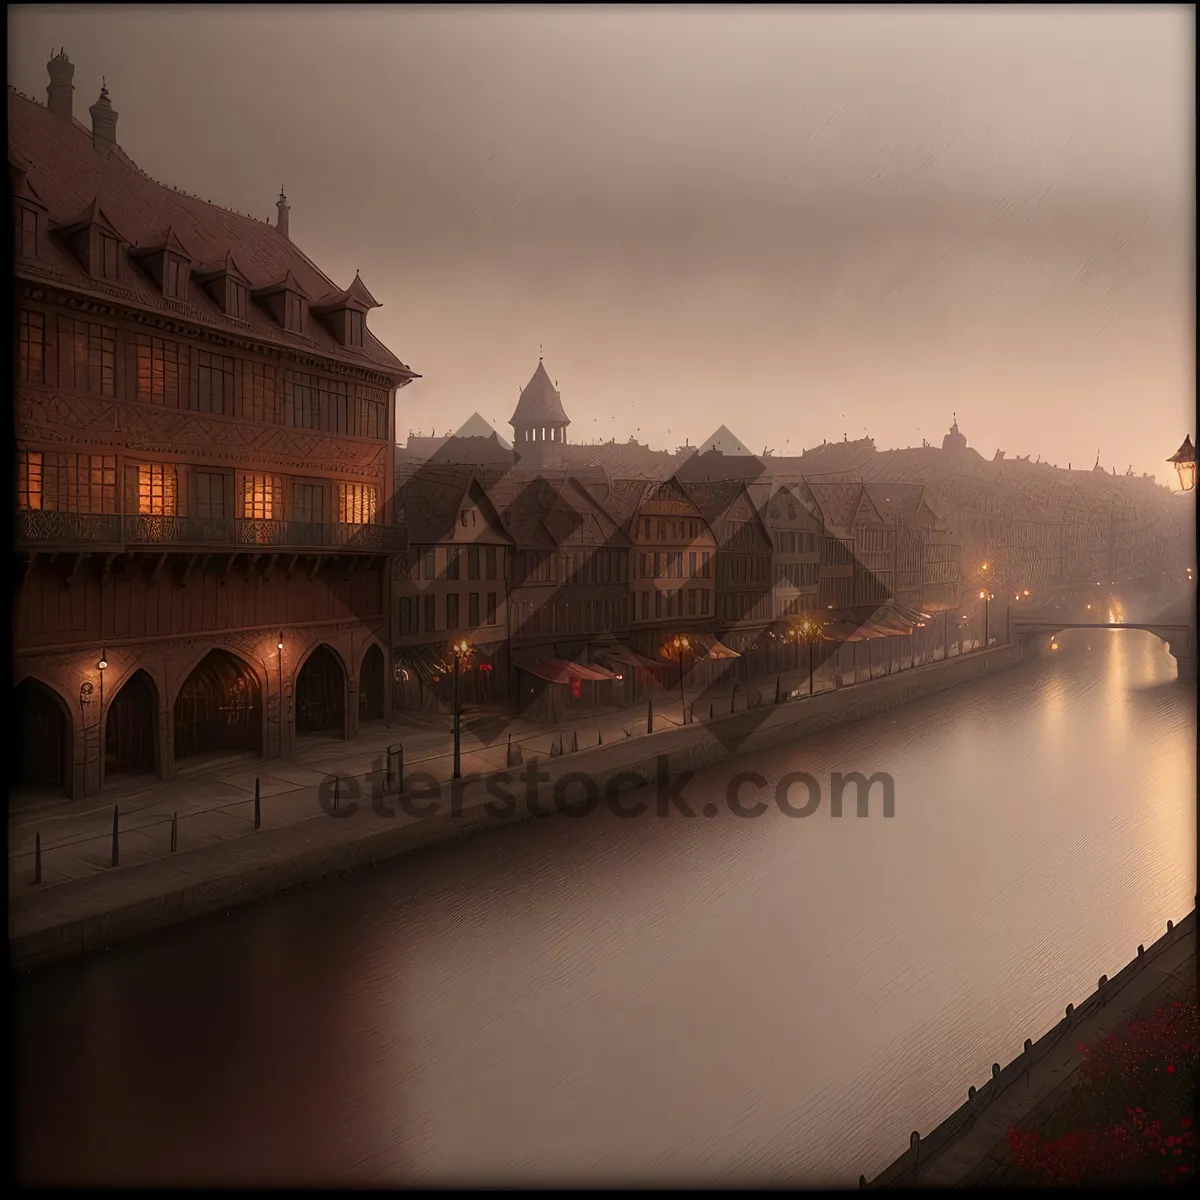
x=220 y=548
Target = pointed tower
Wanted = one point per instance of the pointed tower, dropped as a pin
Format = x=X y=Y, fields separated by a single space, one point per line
x=540 y=416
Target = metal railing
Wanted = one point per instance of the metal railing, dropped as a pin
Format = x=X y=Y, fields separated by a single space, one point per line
x=40 y=527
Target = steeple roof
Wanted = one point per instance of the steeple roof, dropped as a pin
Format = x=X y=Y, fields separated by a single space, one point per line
x=540 y=403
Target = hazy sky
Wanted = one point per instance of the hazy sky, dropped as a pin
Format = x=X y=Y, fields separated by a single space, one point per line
x=800 y=222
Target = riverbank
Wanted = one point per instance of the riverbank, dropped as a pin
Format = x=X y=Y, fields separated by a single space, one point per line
x=87 y=914
x=970 y=1148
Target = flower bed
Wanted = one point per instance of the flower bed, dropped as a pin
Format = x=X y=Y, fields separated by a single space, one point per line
x=1129 y=1119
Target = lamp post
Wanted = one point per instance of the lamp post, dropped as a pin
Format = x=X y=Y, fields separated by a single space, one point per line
x=679 y=643
x=462 y=650
x=986 y=597
x=1185 y=463
x=279 y=647
x=102 y=665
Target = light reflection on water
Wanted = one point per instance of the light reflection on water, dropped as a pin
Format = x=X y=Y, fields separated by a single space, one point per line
x=611 y=1001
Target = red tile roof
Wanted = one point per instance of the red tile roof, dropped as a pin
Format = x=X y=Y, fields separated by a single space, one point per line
x=72 y=178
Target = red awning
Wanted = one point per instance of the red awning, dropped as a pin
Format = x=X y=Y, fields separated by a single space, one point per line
x=556 y=670
x=626 y=656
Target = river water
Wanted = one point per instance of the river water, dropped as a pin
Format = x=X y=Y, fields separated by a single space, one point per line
x=722 y=1000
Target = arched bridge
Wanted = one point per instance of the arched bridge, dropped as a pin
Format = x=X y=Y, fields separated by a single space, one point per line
x=1180 y=639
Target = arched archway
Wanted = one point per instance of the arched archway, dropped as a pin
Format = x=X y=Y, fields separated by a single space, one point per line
x=43 y=751
x=219 y=708
x=321 y=694
x=129 y=728
x=371 y=685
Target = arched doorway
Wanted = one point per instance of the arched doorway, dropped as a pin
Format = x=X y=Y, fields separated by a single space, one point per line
x=43 y=738
x=370 y=685
x=129 y=728
x=219 y=708
x=321 y=694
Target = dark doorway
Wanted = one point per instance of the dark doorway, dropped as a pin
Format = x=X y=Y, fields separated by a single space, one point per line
x=219 y=708
x=370 y=685
x=321 y=694
x=129 y=728
x=43 y=737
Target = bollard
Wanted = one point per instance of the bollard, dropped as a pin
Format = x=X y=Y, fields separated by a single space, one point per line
x=337 y=793
x=1170 y=926
x=599 y=737
x=116 y=847
x=862 y=1181
x=1028 y=1045
x=778 y=691
x=649 y=714
x=710 y=710
x=914 y=1142
x=37 y=858
x=257 y=804
x=1070 y=1010
x=970 y=1094
x=174 y=832
x=1141 y=951
x=574 y=741
x=995 y=1070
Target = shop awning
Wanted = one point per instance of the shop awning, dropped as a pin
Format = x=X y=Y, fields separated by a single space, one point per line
x=625 y=656
x=557 y=670
x=713 y=647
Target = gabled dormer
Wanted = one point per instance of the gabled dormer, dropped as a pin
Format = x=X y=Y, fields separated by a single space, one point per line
x=286 y=301
x=29 y=211
x=226 y=284
x=168 y=262
x=345 y=313
x=94 y=241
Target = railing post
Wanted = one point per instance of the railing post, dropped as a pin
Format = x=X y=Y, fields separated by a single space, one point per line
x=37 y=858
x=116 y=846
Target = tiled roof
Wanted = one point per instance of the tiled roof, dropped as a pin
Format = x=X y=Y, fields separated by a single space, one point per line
x=837 y=504
x=71 y=176
x=540 y=403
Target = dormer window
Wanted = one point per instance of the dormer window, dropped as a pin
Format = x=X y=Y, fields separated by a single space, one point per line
x=107 y=264
x=294 y=313
x=285 y=302
x=27 y=232
x=227 y=287
x=173 y=279
x=345 y=313
x=237 y=300
x=95 y=243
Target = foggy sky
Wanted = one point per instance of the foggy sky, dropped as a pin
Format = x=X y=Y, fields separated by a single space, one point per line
x=802 y=223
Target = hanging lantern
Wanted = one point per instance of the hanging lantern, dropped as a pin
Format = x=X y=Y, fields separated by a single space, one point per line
x=1185 y=463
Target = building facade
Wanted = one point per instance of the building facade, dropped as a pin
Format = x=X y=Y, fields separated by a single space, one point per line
x=205 y=470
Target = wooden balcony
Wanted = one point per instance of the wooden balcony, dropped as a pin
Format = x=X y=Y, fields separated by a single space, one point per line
x=39 y=529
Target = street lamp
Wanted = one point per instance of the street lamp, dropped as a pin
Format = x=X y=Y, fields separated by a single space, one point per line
x=462 y=650
x=679 y=643
x=102 y=665
x=279 y=647
x=986 y=597
x=1185 y=463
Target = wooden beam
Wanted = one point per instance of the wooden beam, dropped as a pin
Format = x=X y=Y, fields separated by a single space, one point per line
x=188 y=568
x=229 y=568
x=106 y=573
x=269 y=571
x=69 y=578
x=287 y=574
x=158 y=566
x=318 y=563
x=27 y=574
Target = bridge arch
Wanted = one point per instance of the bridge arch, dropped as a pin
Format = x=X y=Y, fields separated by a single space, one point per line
x=1180 y=639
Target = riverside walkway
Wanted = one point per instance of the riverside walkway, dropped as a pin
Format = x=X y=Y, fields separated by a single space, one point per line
x=84 y=900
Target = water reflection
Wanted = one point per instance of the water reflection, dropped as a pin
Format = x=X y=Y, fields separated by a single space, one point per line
x=610 y=1001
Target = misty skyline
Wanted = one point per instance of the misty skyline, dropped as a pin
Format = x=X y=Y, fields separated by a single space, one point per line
x=800 y=223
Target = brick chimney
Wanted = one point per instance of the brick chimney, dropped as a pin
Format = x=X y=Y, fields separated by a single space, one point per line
x=104 y=123
x=281 y=222
x=60 y=92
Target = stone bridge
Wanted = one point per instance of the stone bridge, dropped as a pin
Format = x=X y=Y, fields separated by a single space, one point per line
x=1180 y=639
